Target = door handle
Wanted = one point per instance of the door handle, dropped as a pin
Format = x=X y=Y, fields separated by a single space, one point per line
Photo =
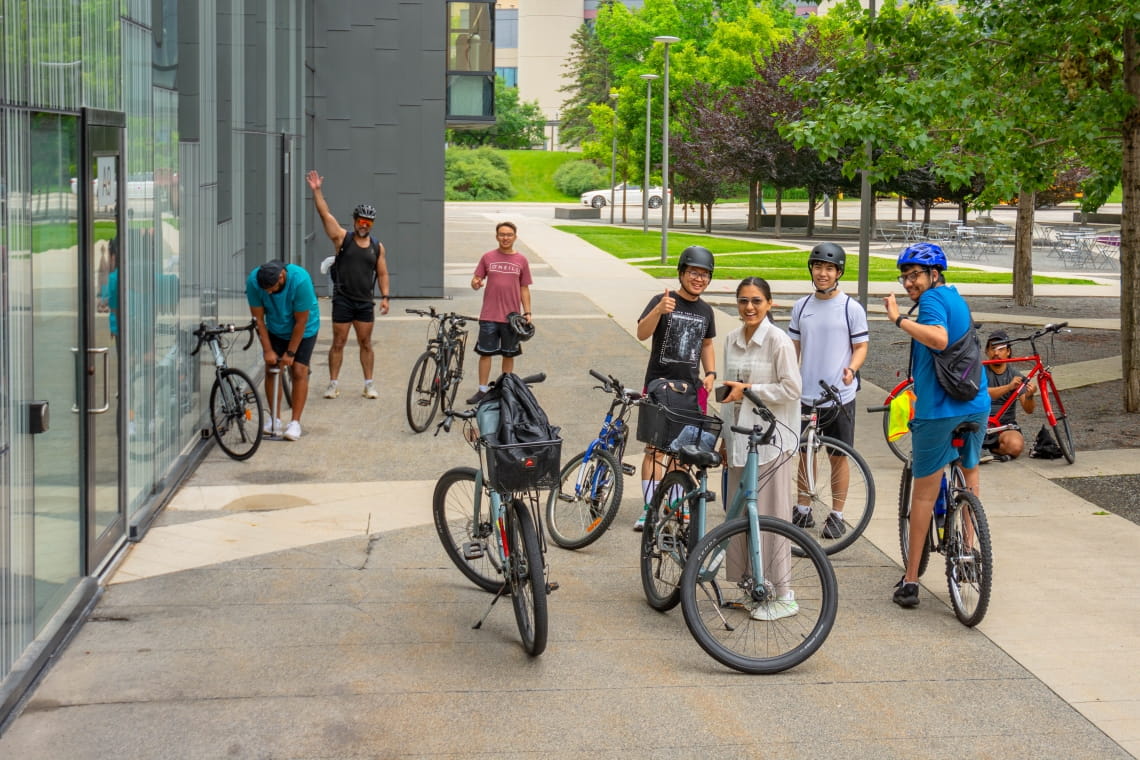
x=105 y=352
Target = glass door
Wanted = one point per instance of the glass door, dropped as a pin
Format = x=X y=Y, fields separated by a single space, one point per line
x=107 y=405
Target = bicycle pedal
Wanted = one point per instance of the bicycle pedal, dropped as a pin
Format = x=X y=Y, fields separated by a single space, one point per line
x=551 y=586
x=472 y=550
x=628 y=469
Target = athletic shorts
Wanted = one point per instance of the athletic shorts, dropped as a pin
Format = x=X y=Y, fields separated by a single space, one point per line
x=838 y=423
x=931 y=449
x=304 y=351
x=347 y=310
x=497 y=339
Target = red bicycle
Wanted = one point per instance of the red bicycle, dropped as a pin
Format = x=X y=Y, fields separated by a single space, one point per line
x=1051 y=402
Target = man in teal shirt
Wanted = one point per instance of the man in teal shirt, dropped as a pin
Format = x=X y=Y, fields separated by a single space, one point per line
x=284 y=304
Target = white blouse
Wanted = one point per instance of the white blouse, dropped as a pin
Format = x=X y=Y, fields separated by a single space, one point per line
x=767 y=362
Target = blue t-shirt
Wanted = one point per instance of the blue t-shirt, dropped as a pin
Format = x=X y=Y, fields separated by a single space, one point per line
x=942 y=306
x=297 y=295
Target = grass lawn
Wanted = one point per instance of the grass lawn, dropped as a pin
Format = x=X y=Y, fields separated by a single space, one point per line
x=739 y=259
x=531 y=173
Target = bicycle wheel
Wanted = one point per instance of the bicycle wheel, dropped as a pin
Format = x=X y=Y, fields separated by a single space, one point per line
x=905 y=484
x=423 y=391
x=839 y=477
x=665 y=541
x=969 y=558
x=454 y=374
x=526 y=577
x=586 y=502
x=1061 y=431
x=900 y=447
x=762 y=624
x=467 y=541
x=236 y=414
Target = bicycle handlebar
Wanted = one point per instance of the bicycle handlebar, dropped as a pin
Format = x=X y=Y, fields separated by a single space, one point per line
x=452 y=316
x=204 y=333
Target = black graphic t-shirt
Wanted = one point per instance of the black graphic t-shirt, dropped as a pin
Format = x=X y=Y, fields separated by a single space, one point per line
x=677 y=341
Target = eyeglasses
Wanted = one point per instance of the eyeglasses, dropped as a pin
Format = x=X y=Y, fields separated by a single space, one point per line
x=505 y=235
x=909 y=278
x=365 y=222
x=752 y=301
x=698 y=274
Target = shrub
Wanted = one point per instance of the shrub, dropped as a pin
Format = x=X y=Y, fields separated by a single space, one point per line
x=476 y=175
x=577 y=177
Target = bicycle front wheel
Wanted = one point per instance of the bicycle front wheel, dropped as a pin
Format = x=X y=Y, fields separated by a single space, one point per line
x=526 y=577
x=1061 y=432
x=236 y=414
x=665 y=541
x=586 y=501
x=969 y=559
x=906 y=483
x=465 y=534
x=833 y=476
x=423 y=391
x=454 y=374
x=759 y=622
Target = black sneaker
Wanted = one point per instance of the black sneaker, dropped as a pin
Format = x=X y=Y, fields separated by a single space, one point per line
x=906 y=594
x=833 y=526
x=802 y=519
x=476 y=398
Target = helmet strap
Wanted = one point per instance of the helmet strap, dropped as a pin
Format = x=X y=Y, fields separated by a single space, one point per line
x=830 y=290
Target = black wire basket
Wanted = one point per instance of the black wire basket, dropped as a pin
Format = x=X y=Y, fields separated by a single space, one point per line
x=669 y=429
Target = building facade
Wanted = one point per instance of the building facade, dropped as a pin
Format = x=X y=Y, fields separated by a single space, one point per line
x=152 y=152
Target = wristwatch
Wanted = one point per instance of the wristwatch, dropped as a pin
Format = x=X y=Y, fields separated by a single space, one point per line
x=384 y=298
x=898 y=320
x=711 y=372
x=290 y=354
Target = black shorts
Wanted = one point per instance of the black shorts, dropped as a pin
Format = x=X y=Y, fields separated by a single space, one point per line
x=347 y=310
x=497 y=339
x=304 y=351
x=991 y=439
x=834 y=423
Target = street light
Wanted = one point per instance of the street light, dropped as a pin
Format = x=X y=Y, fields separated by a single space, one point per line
x=645 y=187
x=667 y=41
x=613 y=158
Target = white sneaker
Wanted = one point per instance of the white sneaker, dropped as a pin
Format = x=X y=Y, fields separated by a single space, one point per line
x=370 y=391
x=269 y=428
x=293 y=431
x=785 y=606
x=332 y=391
x=639 y=523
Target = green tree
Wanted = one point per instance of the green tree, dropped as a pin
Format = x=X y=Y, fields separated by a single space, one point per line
x=517 y=125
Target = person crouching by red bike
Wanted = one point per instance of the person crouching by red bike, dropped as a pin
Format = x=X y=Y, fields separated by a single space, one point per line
x=1002 y=381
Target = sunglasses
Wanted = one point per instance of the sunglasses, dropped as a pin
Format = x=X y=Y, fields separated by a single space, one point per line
x=752 y=301
x=365 y=222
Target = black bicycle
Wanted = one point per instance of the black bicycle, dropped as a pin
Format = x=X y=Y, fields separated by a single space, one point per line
x=235 y=411
x=438 y=371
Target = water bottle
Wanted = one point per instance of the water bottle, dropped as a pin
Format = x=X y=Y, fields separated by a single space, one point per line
x=940 y=507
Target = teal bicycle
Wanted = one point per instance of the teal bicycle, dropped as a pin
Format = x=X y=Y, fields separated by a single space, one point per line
x=758 y=594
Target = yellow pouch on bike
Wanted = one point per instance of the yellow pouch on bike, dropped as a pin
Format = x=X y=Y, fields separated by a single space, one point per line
x=901 y=413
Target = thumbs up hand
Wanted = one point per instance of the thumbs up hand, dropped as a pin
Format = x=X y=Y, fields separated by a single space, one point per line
x=667 y=303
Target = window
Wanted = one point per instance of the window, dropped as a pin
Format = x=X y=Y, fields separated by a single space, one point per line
x=470 y=63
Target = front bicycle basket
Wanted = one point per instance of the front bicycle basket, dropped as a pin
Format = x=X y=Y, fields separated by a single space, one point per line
x=670 y=429
x=523 y=466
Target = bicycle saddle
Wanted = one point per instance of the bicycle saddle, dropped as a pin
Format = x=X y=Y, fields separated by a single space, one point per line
x=690 y=453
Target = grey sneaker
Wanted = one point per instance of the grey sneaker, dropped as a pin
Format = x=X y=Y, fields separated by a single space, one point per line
x=833 y=526
x=802 y=519
x=476 y=398
x=332 y=391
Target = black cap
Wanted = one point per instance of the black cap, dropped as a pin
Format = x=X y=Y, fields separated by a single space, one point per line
x=269 y=273
x=997 y=336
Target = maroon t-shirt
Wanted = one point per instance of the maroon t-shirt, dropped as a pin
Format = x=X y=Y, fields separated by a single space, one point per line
x=505 y=274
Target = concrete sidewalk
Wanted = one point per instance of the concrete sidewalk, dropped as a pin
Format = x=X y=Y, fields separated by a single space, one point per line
x=298 y=605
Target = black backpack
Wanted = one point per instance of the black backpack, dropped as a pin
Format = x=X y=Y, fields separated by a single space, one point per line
x=521 y=419
x=1045 y=447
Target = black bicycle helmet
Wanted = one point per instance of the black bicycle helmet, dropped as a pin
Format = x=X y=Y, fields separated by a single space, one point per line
x=522 y=328
x=695 y=256
x=831 y=253
x=364 y=211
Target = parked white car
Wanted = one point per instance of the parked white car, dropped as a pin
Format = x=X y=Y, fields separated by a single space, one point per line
x=632 y=196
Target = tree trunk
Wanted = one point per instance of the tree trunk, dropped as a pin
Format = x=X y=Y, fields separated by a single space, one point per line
x=1023 y=250
x=779 y=210
x=708 y=218
x=900 y=208
x=1130 y=225
x=811 y=214
x=835 y=212
x=753 y=206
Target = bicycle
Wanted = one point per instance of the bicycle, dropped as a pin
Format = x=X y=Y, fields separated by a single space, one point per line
x=235 y=411
x=438 y=371
x=779 y=603
x=832 y=474
x=1051 y=403
x=589 y=491
x=958 y=530
x=498 y=545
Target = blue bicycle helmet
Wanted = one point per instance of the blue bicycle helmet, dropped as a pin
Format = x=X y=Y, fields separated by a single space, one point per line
x=927 y=255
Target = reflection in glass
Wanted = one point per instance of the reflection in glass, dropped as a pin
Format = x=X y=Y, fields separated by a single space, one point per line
x=471 y=96
x=470 y=45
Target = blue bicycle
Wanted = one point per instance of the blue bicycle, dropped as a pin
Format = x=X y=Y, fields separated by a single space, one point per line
x=589 y=493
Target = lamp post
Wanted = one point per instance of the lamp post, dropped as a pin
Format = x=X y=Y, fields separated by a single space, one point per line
x=667 y=41
x=645 y=187
x=613 y=158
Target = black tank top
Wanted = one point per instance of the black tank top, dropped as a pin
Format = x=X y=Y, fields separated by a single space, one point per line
x=356 y=269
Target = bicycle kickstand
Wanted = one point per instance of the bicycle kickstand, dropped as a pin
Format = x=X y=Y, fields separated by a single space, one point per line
x=503 y=590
